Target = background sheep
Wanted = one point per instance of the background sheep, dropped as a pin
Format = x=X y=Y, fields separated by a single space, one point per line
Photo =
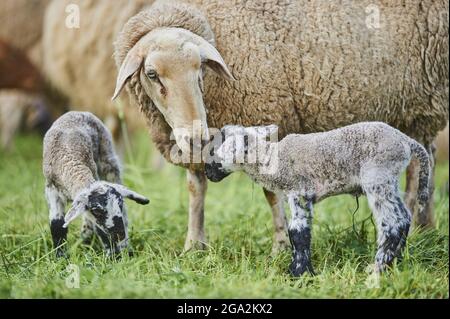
x=364 y=158
x=305 y=66
x=22 y=22
x=80 y=165
x=79 y=62
x=22 y=97
x=19 y=109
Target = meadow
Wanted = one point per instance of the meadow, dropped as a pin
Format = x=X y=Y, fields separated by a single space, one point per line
x=238 y=262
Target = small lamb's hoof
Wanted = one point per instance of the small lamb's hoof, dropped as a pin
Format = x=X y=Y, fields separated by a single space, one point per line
x=298 y=269
x=61 y=253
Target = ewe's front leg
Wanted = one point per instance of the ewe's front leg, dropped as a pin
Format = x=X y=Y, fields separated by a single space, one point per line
x=56 y=205
x=197 y=185
x=280 y=238
x=300 y=235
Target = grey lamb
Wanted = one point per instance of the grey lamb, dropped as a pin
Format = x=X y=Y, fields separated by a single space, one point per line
x=80 y=165
x=364 y=158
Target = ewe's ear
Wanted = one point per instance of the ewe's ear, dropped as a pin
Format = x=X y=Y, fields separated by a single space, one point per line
x=212 y=58
x=77 y=209
x=127 y=193
x=130 y=65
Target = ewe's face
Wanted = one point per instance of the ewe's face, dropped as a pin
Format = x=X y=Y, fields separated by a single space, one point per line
x=170 y=62
x=106 y=209
x=172 y=78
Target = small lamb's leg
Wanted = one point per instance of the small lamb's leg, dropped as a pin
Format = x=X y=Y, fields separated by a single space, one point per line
x=300 y=235
x=197 y=185
x=56 y=205
x=393 y=220
x=280 y=239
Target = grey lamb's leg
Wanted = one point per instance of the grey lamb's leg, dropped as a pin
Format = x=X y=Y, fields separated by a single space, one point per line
x=197 y=185
x=392 y=218
x=300 y=235
x=280 y=238
x=56 y=205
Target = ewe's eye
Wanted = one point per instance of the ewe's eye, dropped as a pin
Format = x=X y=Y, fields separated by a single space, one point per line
x=152 y=75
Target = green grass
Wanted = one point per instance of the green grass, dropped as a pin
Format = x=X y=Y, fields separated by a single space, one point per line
x=239 y=228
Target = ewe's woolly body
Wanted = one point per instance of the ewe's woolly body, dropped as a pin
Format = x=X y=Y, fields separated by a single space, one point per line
x=311 y=66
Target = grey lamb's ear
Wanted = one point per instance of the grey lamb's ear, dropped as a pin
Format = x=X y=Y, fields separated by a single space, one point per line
x=130 y=65
x=212 y=58
x=127 y=193
x=77 y=209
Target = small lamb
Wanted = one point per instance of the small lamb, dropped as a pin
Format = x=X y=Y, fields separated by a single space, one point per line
x=80 y=165
x=364 y=158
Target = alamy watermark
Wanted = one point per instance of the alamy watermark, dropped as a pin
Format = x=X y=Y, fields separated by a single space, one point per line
x=72 y=278
x=73 y=16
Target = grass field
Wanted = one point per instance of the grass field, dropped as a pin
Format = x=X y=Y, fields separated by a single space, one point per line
x=239 y=228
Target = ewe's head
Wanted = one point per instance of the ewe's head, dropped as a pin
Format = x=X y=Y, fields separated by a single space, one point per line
x=170 y=62
x=238 y=146
x=103 y=204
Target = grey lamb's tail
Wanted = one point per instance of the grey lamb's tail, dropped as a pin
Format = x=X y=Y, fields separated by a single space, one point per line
x=423 y=194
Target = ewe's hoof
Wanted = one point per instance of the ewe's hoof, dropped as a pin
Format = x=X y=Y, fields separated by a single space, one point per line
x=193 y=245
x=280 y=246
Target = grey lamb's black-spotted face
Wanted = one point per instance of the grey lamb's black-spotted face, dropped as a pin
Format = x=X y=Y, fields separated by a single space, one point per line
x=103 y=204
x=106 y=205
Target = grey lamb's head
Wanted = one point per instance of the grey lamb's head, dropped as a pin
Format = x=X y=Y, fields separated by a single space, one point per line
x=237 y=146
x=103 y=204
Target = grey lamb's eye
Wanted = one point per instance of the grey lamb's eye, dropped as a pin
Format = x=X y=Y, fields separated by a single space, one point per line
x=152 y=74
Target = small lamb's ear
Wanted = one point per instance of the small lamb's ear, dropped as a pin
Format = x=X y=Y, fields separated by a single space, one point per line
x=212 y=58
x=77 y=209
x=125 y=192
x=130 y=65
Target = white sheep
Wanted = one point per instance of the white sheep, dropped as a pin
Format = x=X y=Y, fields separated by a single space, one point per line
x=80 y=165
x=364 y=158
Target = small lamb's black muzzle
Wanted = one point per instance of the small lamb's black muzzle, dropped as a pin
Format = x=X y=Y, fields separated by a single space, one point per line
x=214 y=172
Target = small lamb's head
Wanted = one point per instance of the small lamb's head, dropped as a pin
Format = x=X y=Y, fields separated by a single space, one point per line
x=235 y=147
x=103 y=204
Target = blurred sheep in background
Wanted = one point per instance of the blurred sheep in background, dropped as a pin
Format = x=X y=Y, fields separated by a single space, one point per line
x=22 y=100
